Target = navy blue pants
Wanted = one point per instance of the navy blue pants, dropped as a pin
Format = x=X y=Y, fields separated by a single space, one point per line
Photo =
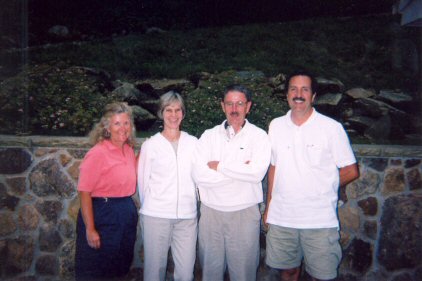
x=116 y=220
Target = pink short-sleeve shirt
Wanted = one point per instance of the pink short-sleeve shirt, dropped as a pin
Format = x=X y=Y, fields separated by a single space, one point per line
x=107 y=171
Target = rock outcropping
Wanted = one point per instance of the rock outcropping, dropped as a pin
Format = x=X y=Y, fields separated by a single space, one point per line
x=68 y=100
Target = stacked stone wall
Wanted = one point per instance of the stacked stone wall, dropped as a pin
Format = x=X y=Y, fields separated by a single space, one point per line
x=380 y=213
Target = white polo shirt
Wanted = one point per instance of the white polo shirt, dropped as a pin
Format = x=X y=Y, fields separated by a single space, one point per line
x=306 y=181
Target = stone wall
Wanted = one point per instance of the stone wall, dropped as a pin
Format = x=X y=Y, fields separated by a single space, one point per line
x=380 y=213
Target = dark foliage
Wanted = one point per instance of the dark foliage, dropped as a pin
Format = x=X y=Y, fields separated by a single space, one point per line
x=106 y=17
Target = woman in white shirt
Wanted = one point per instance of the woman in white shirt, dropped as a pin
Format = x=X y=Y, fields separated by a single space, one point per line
x=168 y=195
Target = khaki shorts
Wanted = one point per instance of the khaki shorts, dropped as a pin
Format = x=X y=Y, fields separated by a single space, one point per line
x=320 y=249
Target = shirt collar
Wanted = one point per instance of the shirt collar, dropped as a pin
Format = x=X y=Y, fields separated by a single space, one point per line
x=225 y=124
x=309 y=121
x=110 y=146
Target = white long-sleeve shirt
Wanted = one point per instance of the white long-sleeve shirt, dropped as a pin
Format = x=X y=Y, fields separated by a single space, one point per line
x=243 y=162
x=166 y=186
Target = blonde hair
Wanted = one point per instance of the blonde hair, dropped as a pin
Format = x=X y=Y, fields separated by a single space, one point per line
x=100 y=131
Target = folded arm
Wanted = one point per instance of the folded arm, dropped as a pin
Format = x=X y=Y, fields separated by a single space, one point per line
x=254 y=169
x=204 y=170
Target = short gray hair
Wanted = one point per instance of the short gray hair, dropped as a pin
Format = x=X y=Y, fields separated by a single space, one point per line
x=169 y=98
x=239 y=88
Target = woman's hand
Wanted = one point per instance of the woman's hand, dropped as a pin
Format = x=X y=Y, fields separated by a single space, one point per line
x=93 y=238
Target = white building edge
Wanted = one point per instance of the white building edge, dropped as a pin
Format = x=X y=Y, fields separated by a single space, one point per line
x=411 y=12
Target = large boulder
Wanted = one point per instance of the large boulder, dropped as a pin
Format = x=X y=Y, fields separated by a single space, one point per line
x=359 y=93
x=329 y=85
x=59 y=31
x=143 y=118
x=127 y=92
x=400 y=240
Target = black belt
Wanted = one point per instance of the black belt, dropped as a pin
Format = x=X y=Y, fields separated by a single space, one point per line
x=107 y=199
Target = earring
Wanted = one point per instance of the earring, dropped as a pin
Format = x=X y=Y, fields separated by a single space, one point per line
x=107 y=134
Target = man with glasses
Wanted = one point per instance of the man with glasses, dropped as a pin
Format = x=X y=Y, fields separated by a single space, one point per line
x=230 y=162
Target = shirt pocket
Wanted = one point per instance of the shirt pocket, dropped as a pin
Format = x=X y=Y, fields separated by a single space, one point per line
x=315 y=154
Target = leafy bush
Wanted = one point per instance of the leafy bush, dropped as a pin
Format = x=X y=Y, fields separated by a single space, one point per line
x=67 y=100
x=204 y=109
x=61 y=100
x=358 y=51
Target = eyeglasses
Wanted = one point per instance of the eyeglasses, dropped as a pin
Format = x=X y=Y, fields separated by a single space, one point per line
x=237 y=103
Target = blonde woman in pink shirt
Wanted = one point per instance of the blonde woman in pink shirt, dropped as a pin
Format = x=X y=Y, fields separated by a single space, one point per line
x=107 y=220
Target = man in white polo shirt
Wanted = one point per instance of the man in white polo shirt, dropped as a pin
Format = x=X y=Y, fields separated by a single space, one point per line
x=311 y=158
x=230 y=162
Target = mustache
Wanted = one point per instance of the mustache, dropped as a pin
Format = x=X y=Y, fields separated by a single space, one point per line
x=298 y=99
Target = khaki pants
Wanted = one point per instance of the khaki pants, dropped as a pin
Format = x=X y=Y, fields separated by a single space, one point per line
x=161 y=234
x=229 y=239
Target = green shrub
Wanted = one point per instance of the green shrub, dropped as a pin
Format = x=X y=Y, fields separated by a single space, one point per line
x=60 y=100
x=204 y=109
